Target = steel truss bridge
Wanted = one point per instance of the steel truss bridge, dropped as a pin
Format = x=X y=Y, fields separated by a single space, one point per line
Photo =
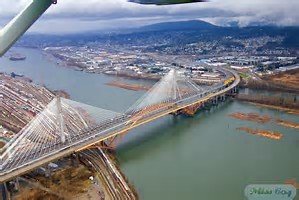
x=65 y=127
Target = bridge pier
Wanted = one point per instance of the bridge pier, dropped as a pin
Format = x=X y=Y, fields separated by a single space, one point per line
x=233 y=92
x=191 y=110
x=17 y=184
x=7 y=188
x=105 y=145
x=215 y=101
x=75 y=160
x=113 y=142
x=48 y=171
x=209 y=104
x=175 y=114
x=224 y=97
x=221 y=98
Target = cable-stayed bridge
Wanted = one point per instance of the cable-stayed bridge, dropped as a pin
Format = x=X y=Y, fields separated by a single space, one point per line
x=65 y=126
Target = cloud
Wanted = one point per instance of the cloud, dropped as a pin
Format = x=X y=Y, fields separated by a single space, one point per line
x=89 y=15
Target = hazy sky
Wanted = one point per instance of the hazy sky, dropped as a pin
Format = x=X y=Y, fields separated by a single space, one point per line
x=71 y=16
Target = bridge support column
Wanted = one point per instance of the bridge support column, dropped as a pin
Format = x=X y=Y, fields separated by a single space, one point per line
x=236 y=89
x=191 y=110
x=75 y=160
x=17 y=185
x=48 y=171
x=215 y=101
x=175 y=114
x=223 y=97
x=113 y=142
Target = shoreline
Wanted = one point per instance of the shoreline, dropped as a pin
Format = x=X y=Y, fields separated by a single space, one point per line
x=127 y=86
x=71 y=64
x=288 y=110
x=287 y=81
x=286 y=103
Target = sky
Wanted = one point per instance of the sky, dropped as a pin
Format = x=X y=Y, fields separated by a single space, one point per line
x=110 y=15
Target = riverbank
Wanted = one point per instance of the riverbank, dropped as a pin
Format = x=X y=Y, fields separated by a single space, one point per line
x=287 y=81
x=127 y=86
x=287 y=110
x=286 y=103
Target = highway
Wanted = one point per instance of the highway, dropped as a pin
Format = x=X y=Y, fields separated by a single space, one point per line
x=108 y=129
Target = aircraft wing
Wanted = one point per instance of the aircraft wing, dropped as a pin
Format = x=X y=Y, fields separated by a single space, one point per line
x=165 y=2
x=19 y=25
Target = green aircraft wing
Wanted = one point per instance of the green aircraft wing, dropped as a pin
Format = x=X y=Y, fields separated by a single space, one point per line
x=20 y=24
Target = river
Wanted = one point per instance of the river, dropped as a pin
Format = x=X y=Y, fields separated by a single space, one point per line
x=185 y=158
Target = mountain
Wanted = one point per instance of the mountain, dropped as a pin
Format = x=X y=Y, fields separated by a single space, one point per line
x=192 y=25
x=173 y=34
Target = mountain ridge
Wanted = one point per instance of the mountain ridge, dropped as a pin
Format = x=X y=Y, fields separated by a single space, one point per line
x=179 y=25
x=174 y=33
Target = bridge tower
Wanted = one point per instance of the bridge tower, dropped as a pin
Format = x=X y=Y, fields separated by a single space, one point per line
x=61 y=124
